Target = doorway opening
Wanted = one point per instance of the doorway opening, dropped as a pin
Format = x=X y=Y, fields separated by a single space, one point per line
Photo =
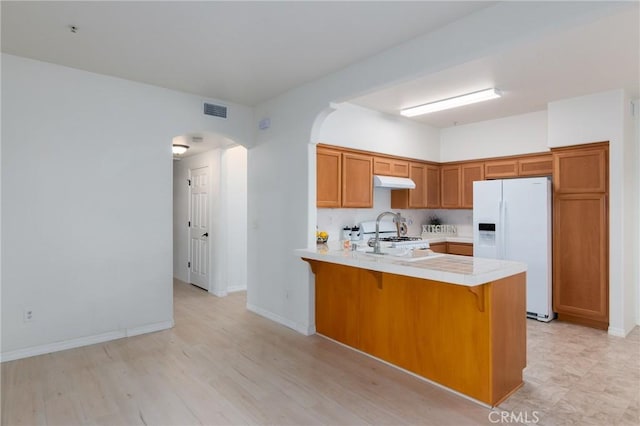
x=210 y=213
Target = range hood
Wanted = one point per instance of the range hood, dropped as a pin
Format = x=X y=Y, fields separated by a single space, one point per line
x=393 y=182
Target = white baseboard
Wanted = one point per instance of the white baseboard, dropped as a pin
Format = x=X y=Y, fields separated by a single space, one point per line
x=150 y=328
x=619 y=332
x=218 y=293
x=236 y=288
x=302 y=329
x=84 y=341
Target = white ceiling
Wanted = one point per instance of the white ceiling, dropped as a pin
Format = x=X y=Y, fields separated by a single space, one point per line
x=602 y=55
x=248 y=52
x=243 y=52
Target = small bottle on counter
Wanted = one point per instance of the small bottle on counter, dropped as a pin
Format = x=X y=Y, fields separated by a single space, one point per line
x=346 y=233
x=355 y=233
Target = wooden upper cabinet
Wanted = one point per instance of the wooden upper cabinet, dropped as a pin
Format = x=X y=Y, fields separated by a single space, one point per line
x=498 y=169
x=426 y=193
x=580 y=170
x=470 y=172
x=357 y=180
x=450 y=186
x=328 y=177
x=433 y=186
x=539 y=165
x=387 y=166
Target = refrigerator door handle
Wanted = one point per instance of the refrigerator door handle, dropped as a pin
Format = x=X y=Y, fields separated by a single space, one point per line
x=503 y=228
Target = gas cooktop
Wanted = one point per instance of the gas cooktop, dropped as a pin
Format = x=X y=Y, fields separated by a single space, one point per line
x=401 y=238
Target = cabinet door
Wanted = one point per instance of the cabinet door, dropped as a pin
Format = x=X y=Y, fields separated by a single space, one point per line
x=390 y=167
x=337 y=291
x=357 y=180
x=580 y=258
x=580 y=170
x=418 y=196
x=438 y=247
x=462 y=249
x=501 y=169
x=535 y=166
x=433 y=186
x=470 y=173
x=450 y=193
x=328 y=173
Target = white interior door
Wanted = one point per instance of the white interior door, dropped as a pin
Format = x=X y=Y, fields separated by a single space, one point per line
x=199 y=227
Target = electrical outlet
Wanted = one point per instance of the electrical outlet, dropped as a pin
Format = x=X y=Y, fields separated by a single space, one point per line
x=27 y=315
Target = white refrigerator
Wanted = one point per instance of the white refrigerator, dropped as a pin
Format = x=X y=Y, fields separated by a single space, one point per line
x=512 y=221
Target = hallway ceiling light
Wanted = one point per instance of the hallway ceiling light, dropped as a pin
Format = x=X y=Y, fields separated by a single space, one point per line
x=456 y=101
x=179 y=149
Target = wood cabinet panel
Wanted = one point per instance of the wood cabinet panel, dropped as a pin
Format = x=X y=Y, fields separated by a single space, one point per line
x=439 y=247
x=337 y=296
x=418 y=196
x=536 y=166
x=433 y=186
x=450 y=186
x=357 y=180
x=328 y=177
x=501 y=169
x=580 y=170
x=580 y=258
x=471 y=339
x=470 y=172
x=426 y=193
x=462 y=249
x=390 y=167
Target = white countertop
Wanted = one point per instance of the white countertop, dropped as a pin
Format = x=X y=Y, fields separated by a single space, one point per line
x=448 y=268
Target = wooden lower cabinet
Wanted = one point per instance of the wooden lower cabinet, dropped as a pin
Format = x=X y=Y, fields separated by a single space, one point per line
x=463 y=249
x=470 y=339
x=438 y=247
x=580 y=259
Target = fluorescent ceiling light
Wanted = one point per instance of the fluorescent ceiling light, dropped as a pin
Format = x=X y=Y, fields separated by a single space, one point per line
x=456 y=101
x=179 y=149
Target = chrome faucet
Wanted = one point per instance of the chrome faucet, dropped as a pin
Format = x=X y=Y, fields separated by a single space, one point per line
x=397 y=218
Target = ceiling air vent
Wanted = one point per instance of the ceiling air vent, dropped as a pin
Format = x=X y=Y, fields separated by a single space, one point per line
x=215 y=110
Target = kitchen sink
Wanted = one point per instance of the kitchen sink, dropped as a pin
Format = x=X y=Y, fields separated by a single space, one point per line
x=405 y=255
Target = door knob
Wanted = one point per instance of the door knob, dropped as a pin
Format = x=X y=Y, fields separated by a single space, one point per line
x=206 y=234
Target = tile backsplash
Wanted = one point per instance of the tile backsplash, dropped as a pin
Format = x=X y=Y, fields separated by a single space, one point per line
x=333 y=220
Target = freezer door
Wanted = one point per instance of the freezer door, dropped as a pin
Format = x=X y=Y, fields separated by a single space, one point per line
x=527 y=237
x=487 y=232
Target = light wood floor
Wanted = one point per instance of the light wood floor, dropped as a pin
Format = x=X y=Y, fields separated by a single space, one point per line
x=224 y=365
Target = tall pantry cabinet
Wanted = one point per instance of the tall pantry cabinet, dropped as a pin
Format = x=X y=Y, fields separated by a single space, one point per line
x=581 y=234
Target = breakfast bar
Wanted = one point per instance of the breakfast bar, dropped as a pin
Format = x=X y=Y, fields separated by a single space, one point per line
x=455 y=320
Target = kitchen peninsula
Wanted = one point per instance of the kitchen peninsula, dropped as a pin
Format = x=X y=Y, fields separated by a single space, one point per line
x=455 y=320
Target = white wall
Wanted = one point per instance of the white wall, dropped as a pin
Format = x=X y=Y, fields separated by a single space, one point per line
x=87 y=203
x=604 y=117
x=234 y=196
x=636 y=138
x=352 y=126
x=519 y=134
x=281 y=181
